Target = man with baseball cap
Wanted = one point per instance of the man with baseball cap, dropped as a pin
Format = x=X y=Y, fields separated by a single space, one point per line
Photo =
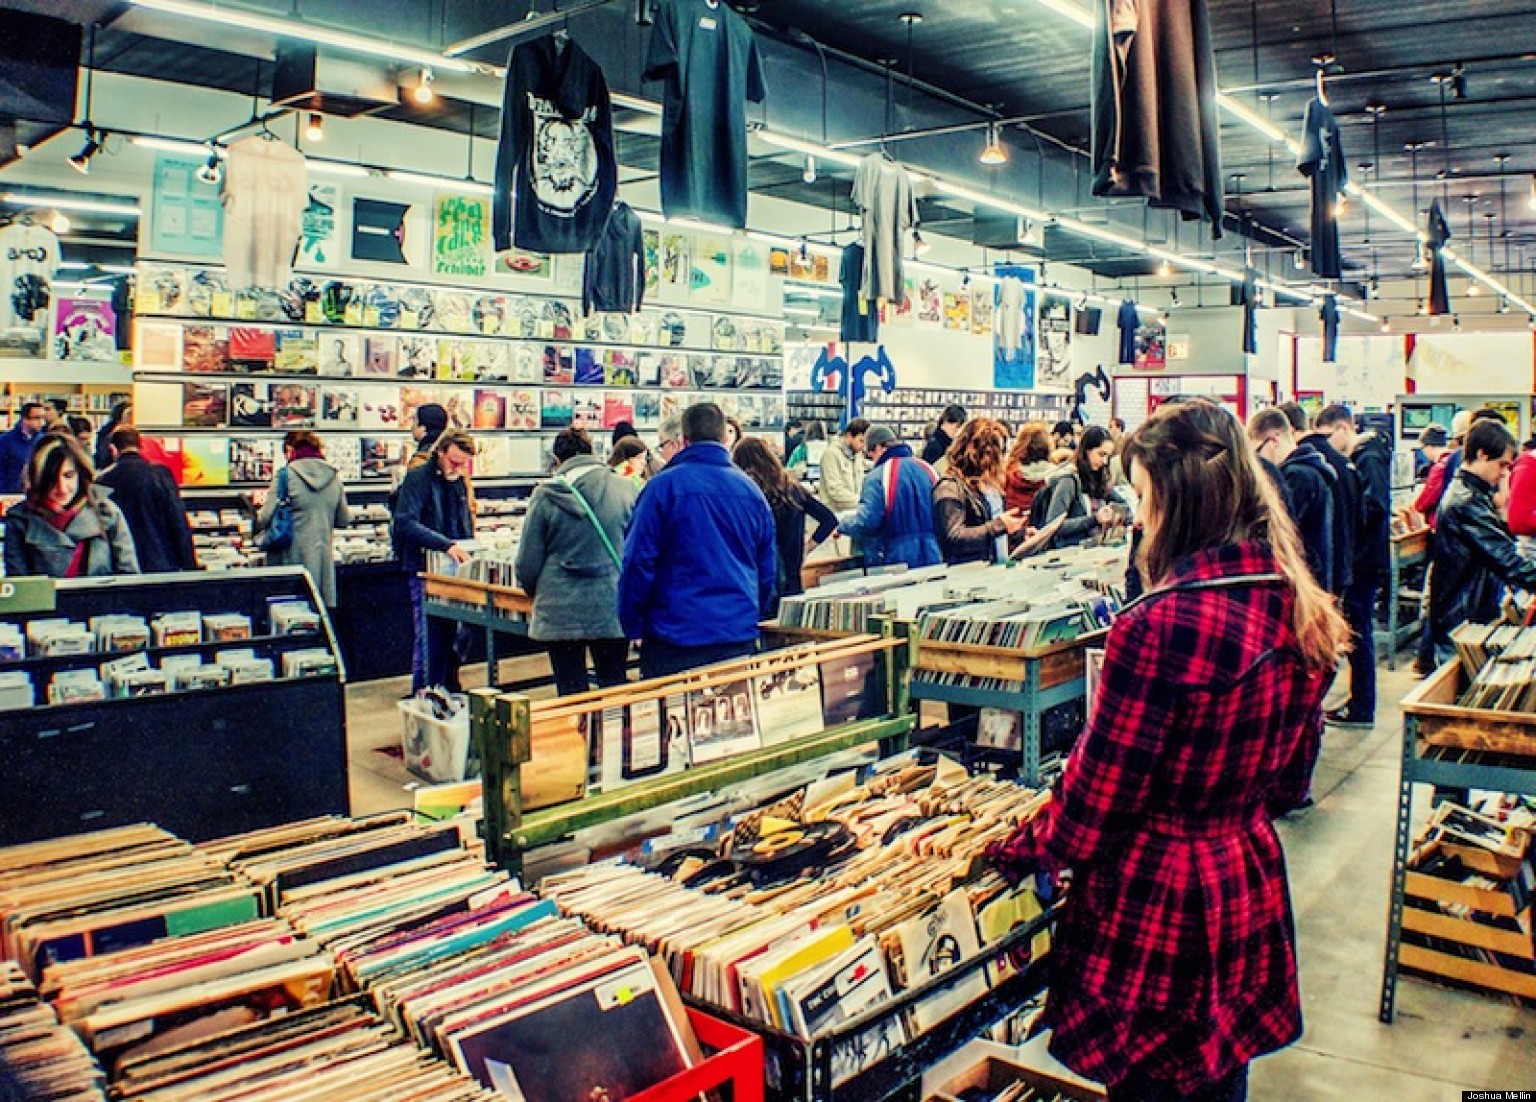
x=894 y=519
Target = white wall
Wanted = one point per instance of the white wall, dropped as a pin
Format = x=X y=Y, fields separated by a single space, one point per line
x=1474 y=363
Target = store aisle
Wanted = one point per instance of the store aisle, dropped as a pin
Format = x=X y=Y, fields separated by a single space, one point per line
x=1340 y=856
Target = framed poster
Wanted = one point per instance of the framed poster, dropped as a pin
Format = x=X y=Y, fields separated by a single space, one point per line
x=320 y=231
x=459 y=225
x=186 y=216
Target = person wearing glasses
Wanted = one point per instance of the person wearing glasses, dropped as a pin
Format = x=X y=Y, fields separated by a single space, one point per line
x=17 y=444
x=1305 y=481
x=670 y=436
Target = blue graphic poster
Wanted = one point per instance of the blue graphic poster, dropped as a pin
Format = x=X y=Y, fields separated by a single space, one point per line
x=832 y=375
x=1013 y=328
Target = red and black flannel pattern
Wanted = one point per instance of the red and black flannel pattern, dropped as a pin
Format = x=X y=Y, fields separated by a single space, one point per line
x=1175 y=955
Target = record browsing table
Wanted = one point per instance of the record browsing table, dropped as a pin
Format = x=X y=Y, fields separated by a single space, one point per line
x=1407 y=551
x=1451 y=746
x=494 y=609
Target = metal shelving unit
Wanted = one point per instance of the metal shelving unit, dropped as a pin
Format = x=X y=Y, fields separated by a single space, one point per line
x=1407 y=552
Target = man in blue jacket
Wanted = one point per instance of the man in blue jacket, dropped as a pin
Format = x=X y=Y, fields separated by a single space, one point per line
x=894 y=520
x=17 y=444
x=699 y=558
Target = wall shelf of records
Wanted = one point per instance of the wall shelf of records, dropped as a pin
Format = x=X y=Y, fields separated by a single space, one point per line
x=1463 y=891
x=912 y=411
x=219 y=377
x=110 y=695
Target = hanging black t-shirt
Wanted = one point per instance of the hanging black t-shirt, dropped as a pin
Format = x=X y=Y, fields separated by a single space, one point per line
x=861 y=317
x=708 y=58
x=1329 y=313
x=1439 y=237
x=1322 y=160
x=1128 y=320
x=1246 y=295
x=555 y=170
x=613 y=278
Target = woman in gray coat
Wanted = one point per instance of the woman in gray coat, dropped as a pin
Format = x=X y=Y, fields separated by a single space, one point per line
x=568 y=562
x=65 y=527
x=319 y=507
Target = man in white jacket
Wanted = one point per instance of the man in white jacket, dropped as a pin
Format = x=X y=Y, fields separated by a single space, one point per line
x=843 y=468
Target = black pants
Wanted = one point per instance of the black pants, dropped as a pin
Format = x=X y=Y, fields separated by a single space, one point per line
x=568 y=660
x=658 y=658
x=1360 y=611
x=1234 y=1088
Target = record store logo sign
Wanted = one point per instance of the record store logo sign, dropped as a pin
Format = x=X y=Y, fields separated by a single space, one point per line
x=27 y=595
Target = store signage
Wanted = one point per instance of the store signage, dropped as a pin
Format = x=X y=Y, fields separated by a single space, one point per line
x=27 y=595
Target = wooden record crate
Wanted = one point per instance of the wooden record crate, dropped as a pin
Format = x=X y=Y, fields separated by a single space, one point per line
x=506 y=600
x=1058 y=663
x=734 y=1065
x=1444 y=723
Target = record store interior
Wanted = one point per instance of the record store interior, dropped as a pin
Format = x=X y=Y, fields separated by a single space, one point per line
x=767 y=550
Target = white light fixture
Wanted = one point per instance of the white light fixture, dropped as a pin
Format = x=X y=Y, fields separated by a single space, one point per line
x=19 y=199
x=210 y=171
x=73 y=265
x=994 y=152
x=1386 y=325
x=472 y=187
x=306 y=32
x=1165 y=269
x=1473 y=290
x=59 y=223
x=1531 y=202
x=171 y=145
x=118 y=269
x=336 y=168
x=809 y=175
x=314 y=130
x=423 y=93
x=81 y=162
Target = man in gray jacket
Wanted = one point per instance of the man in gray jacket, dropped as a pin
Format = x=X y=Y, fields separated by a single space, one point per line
x=843 y=469
x=568 y=562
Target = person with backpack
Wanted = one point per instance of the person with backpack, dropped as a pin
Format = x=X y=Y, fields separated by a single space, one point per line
x=1081 y=493
x=894 y=520
x=569 y=560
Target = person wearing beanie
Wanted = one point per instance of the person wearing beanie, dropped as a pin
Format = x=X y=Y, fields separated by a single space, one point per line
x=620 y=431
x=431 y=420
x=894 y=519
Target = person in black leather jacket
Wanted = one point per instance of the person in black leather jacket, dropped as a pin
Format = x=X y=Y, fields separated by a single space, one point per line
x=1474 y=555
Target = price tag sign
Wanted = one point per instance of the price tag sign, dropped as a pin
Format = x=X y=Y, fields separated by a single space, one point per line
x=27 y=595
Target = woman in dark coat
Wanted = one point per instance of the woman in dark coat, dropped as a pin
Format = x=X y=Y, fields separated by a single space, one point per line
x=1174 y=963
x=790 y=503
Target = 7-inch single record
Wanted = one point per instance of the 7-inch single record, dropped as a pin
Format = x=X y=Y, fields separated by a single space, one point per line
x=790 y=852
x=418 y=301
x=335 y=297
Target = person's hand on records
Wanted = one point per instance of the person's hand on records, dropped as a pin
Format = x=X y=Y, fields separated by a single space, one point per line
x=457 y=553
x=1014 y=520
x=1106 y=515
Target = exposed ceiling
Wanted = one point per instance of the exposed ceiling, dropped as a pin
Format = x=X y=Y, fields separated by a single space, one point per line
x=1021 y=58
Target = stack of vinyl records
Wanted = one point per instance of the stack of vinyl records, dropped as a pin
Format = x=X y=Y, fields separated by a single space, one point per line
x=41 y=1058
x=875 y=895
x=341 y=1052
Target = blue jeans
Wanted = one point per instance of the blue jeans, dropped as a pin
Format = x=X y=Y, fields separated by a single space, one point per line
x=433 y=661
x=659 y=658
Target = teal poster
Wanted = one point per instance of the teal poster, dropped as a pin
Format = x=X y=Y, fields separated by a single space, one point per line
x=1013 y=328
x=186 y=216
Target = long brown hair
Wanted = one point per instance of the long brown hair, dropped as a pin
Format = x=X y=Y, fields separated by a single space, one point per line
x=46 y=464
x=976 y=456
x=1032 y=445
x=1205 y=489
x=762 y=466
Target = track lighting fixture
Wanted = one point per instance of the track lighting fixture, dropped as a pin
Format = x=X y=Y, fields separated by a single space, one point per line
x=315 y=131
x=1174 y=301
x=1503 y=304
x=1456 y=322
x=1423 y=309
x=965 y=279
x=993 y=153
x=423 y=93
x=81 y=162
x=59 y=223
x=919 y=246
x=809 y=175
x=1165 y=269
x=1299 y=259
x=1386 y=325
x=211 y=171
x=1420 y=261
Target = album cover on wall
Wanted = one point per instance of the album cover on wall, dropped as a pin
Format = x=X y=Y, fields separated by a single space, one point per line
x=204 y=405
x=250 y=406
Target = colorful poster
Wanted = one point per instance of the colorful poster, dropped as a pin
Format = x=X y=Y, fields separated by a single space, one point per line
x=459 y=235
x=320 y=233
x=957 y=311
x=1053 y=358
x=526 y=265
x=652 y=240
x=676 y=267
x=930 y=301
x=1151 y=347
x=186 y=216
x=85 y=329
x=1013 y=328
x=981 y=311
x=710 y=281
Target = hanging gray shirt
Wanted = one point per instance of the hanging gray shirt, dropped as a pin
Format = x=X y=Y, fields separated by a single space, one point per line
x=882 y=191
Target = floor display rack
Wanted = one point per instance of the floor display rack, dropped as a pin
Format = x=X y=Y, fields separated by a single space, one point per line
x=1450 y=746
x=1408 y=556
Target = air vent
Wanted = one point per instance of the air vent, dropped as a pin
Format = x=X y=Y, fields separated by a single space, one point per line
x=307 y=80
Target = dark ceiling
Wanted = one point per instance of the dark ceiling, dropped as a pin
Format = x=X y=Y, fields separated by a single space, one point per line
x=1019 y=58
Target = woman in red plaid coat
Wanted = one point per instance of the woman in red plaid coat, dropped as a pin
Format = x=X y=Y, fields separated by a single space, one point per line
x=1175 y=961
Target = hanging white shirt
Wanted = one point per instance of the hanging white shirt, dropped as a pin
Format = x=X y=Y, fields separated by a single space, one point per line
x=29 y=255
x=266 y=188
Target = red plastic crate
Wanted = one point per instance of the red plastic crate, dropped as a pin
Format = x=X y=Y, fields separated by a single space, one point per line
x=736 y=1064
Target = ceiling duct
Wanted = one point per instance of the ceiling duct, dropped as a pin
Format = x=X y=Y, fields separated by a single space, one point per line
x=306 y=80
x=998 y=230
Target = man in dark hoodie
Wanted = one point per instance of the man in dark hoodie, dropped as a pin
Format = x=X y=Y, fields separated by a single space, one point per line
x=1306 y=485
x=944 y=434
x=1348 y=514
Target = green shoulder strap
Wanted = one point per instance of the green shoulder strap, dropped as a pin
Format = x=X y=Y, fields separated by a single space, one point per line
x=597 y=524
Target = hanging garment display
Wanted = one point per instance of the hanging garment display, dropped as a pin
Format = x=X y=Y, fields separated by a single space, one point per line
x=1246 y=295
x=266 y=189
x=1010 y=316
x=29 y=255
x=882 y=191
x=556 y=176
x=1439 y=237
x=707 y=57
x=1322 y=161
x=613 y=280
x=861 y=317
x=1128 y=320
x=1329 y=314
x=1155 y=130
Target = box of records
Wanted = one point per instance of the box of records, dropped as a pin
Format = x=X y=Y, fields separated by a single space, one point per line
x=120 y=633
x=75 y=686
x=178 y=629
x=59 y=638
x=226 y=627
x=293 y=617
x=13 y=643
x=308 y=662
x=1485 y=701
x=998 y=1076
x=16 y=690
x=42 y=1058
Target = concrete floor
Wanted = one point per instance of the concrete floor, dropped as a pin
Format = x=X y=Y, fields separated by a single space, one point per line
x=1340 y=853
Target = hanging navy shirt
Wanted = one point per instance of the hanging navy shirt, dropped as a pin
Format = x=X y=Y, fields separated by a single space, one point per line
x=1246 y=295
x=555 y=170
x=613 y=278
x=1128 y=320
x=1329 y=313
x=708 y=59
x=1439 y=236
x=861 y=317
x=1322 y=160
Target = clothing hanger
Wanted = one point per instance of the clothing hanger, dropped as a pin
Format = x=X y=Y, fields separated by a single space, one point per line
x=1318 y=86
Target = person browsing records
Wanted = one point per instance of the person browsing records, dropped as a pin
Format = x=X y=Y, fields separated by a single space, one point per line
x=894 y=520
x=65 y=526
x=146 y=494
x=970 y=517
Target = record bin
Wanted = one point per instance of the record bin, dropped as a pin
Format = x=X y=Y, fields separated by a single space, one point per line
x=801 y=1071
x=734 y=1065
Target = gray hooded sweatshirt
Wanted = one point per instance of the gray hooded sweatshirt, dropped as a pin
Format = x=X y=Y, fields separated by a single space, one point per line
x=319 y=506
